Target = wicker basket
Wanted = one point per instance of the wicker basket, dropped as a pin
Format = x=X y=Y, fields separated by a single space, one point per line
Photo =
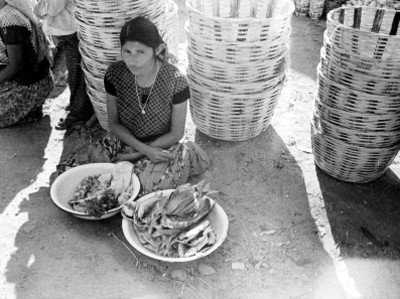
x=244 y=25
x=302 y=6
x=237 y=61
x=364 y=138
x=334 y=95
x=232 y=117
x=242 y=88
x=117 y=7
x=221 y=72
x=365 y=66
x=99 y=100
x=368 y=83
x=234 y=11
x=242 y=53
x=348 y=162
x=358 y=121
x=365 y=32
x=316 y=9
x=95 y=67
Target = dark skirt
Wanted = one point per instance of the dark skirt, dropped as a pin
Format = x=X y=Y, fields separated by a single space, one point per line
x=80 y=105
x=17 y=100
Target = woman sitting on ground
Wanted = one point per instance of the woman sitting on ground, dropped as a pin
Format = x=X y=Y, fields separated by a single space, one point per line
x=25 y=76
x=147 y=106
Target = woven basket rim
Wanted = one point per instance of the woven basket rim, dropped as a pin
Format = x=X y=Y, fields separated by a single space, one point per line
x=329 y=18
x=238 y=20
x=273 y=38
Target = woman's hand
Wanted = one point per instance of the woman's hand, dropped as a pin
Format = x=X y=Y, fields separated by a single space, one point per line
x=157 y=155
x=132 y=157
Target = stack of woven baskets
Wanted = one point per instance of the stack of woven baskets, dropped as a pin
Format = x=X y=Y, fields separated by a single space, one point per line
x=356 y=118
x=313 y=8
x=100 y=23
x=237 y=57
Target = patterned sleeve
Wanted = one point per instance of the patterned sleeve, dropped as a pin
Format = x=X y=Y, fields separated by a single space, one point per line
x=14 y=35
x=181 y=92
x=108 y=82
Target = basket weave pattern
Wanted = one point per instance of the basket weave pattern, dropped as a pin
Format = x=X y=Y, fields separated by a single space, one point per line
x=355 y=125
x=100 y=23
x=237 y=61
x=316 y=9
x=302 y=6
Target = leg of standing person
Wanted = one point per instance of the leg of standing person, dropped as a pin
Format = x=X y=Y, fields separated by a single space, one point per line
x=81 y=108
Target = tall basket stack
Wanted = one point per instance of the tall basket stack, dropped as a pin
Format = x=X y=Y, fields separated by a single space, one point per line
x=302 y=7
x=100 y=23
x=317 y=8
x=237 y=57
x=356 y=117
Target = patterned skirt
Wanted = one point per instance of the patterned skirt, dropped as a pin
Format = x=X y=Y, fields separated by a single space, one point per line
x=17 y=100
x=189 y=161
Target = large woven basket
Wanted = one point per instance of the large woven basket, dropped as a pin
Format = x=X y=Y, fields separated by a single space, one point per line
x=237 y=11
x=333 y=94
x=222 y=72
x=232 y=117
x=95 y=67
x=242 y=21
x=365 y=31
x=357 y=137
x=343 y=59
x=371 y=84
x=358 y=121
x=99 y=54
x=302 y=6
x=316 y=9
x=349 y=162
x=244 y=55
x=117 y=7
x=237 y=58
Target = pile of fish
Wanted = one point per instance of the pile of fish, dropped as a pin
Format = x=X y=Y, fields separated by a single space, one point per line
x=97 y=194
x=174 y=225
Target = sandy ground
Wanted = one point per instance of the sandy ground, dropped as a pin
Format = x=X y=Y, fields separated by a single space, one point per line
x=295 y=232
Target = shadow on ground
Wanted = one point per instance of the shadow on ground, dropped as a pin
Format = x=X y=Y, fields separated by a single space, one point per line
x=18 y=158
x=365 y=221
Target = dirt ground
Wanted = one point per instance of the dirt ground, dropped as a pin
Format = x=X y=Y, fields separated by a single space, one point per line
x=295 y=232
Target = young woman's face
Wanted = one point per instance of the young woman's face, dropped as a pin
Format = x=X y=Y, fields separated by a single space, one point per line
x=137 y=57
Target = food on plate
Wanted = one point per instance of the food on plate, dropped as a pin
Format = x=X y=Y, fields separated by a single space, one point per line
x=174 y=225
x=97 y=194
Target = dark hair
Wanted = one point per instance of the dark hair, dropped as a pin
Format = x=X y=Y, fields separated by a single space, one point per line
x=142 y=30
